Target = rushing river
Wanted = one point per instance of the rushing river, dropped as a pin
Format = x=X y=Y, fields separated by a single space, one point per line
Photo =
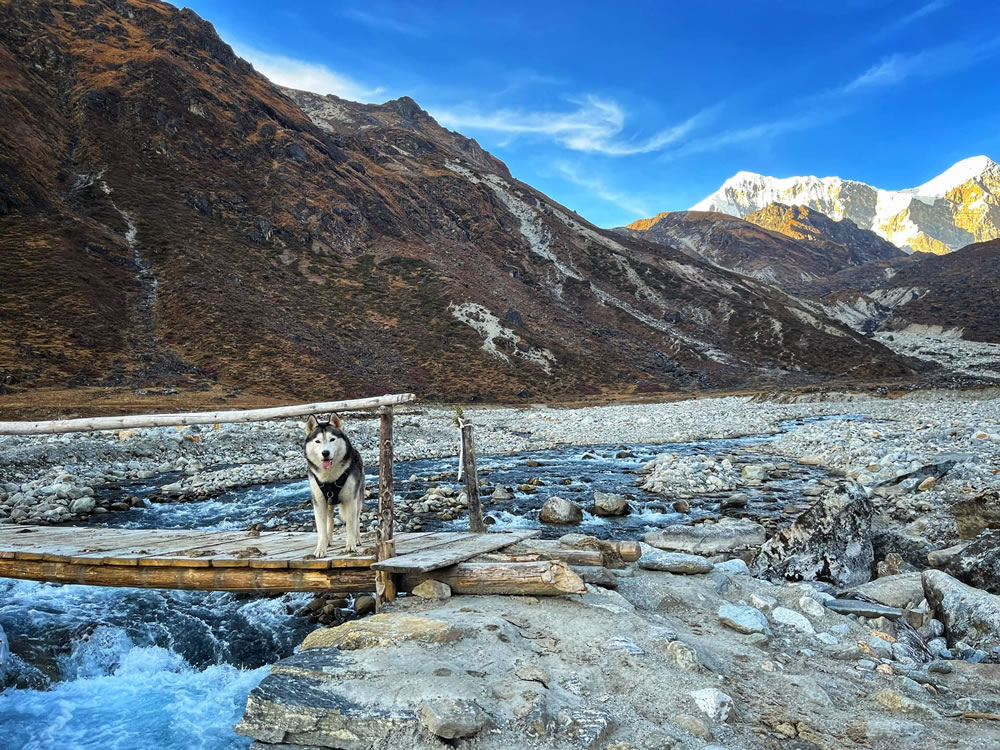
x=110 y=669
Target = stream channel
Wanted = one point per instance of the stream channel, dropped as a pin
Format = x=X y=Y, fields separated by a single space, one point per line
x=121 y=669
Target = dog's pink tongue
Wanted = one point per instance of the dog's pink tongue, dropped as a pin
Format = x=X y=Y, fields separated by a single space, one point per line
x=327 y=463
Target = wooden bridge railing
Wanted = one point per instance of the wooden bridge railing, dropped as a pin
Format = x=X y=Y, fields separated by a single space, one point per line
x=385 y=544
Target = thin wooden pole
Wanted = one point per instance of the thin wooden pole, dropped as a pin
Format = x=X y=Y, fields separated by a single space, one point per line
x=472 y=481
x=188 y=418
x=385 y=543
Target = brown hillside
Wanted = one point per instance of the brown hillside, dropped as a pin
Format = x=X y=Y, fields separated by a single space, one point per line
x=168 y=216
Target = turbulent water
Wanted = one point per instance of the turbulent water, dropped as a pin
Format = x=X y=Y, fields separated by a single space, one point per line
x=107 y=668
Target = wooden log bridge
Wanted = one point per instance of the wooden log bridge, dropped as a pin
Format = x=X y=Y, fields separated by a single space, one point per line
x=269 y=561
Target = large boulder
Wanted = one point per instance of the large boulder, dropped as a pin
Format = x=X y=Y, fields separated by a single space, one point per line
x=560 y=510
x=898 y=591
x=978 y=564
x=708 y=538
x=832 y=541
x=968 y=614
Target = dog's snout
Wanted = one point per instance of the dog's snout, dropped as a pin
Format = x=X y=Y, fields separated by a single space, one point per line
x=326 y=454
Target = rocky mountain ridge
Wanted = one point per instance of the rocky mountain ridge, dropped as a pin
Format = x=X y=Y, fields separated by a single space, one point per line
x=956 y=208
x=172 y=217
x=791 y=247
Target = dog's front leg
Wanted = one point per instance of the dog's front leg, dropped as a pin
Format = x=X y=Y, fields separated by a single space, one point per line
x=322 y=517
x=350 y=513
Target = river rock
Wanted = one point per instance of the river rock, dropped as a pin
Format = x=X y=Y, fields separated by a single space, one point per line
x=708 y=538
x=977 y=513
x=968 y=614
x=978 y=564
x=502 y=494
x=606 y=504
x=831 y=541
x=673 y=562
x=560 y=510
x=743 y=619
x=452 y=718
x=83 y=505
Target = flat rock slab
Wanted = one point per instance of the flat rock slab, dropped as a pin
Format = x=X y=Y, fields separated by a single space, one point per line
x=674 y=562
x=708 y=538
x=863 y=609
x=382 y=631
x=894 y=591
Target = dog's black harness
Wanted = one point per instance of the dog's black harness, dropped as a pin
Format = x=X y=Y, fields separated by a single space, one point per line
x=331 y=490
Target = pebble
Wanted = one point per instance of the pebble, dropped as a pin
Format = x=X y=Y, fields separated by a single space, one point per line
x=811 y=607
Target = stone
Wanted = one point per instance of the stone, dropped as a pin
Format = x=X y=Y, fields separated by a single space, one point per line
x=739 y=500
x=453 y=718
x=501 y=494
x=754 y=473
x=927 y=484
x=735 y=566
x=763 y=602
x=978 y=564
x=743 y=619
x=364 y=605
x=673 y=562
x=832 y=541
x=694 y=725
x=977 y=513
x=606 y=504
x=681 y=506
x=382 y=631
x=793 y=619
x=900 y=591
x=708 y=538
x=684 y=656
x=941 y=558
x=893 y=565
x=968 y=614
x=83 y=505
x=714 y=703
x=431 y=589
x=896 y=701
x=557 y=510
x=811 y=607
x=811 y=461
x=980 y=707
x=862 y=609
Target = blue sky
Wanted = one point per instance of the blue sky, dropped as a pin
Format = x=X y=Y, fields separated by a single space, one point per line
x=622 y=111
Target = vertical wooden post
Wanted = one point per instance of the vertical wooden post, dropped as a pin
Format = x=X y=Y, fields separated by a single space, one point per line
x=385 y=543
x=472 y=481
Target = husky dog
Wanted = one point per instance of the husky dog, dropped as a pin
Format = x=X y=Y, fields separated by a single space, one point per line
x=336 y=477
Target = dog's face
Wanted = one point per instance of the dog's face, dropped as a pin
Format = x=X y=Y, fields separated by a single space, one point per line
x=326 y=443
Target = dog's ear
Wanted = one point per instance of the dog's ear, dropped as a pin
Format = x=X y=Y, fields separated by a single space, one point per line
x=336 y=421
x=311 y=423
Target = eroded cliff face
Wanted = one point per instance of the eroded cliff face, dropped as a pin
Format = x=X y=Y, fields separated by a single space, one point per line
x=167 y=215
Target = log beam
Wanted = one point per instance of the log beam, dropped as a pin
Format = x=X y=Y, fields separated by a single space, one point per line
x=548 y=578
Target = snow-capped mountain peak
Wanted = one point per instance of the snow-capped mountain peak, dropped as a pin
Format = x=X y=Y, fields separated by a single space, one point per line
x=929 y=218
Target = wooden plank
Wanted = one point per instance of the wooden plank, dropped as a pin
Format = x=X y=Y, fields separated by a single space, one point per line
x=199 y=579
x=476 y=523
x=189 y=418
x=548 y=578
x=128 y=551
x=187 y=555
x=434 y=539
x=450 y=554
x=385 y=544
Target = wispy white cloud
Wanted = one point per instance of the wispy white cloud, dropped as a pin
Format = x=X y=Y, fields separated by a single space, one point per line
x=602 y=190
x=912 y=17
x=936 y=62
x=759 y=133
x=299 y=74
x=382 y=22
x=595 y=126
